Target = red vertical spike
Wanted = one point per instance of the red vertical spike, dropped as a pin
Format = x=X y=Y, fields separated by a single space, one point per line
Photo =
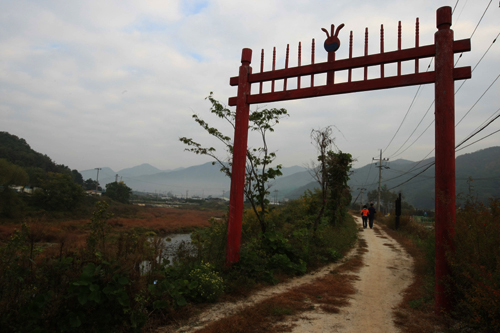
x=261 y=68
x=286 y=64
x=366 y=52
x=417 y=42
x=312 y=61
x=350 y=56
x=399 y=46
x=274 y=67
x=382 y=48
x=300 y=62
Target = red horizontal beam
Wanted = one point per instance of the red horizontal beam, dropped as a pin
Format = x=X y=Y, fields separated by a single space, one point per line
x=343 y=64
x=350 y=87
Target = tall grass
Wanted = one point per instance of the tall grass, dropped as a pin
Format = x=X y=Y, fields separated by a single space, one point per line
x=474 y=284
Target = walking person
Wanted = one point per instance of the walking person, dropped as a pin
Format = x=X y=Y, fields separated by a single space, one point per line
x=371 y=216
x=364 y=216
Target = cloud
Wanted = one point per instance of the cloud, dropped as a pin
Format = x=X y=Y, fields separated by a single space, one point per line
x=115 y=83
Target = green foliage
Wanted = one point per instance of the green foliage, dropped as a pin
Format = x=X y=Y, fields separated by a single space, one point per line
x=195 y=282
x=58 y=192
x=258 y=173
x=338 y=168
x=118 y=191
x=11 y=174
x=96 y=241
x=209 y=284
x=42 y=293
x=91 y=185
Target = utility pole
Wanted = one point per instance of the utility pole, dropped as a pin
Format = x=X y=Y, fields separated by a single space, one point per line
x=380 y=176
x=97 y=180
x=276 y=196
x=361 y=195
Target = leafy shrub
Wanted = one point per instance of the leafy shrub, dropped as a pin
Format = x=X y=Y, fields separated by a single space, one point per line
x=209 y=283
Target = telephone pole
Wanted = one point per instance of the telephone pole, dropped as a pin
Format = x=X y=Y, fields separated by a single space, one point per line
x=380 y=176
x=97 y=180
x=361 y=195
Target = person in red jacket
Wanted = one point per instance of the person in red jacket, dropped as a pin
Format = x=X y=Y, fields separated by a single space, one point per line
x=364 y=215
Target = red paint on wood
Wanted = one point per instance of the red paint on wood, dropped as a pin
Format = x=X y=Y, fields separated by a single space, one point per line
x=286 y=64
x=299 y=63
x=366 y=53
x=239 y=161
x=313 y=46
x=399 y=46
x=274 y=67
x=261 y=68
x=357 y=62
x=417 y=42
x=382 y=48
x=349 y=78
x=460 y=73
x=445 y=155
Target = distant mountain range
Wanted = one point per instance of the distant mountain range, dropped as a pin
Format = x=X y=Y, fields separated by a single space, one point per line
x=477 y=173
x=203 y=180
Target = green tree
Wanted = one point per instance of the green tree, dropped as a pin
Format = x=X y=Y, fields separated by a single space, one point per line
x=338 y=171
x=258 y=170
x=10 y=174
x=77 y=177
x=322 y=139
x=58 y=192
x=387 y=198
x=90 y=184
x=118 y=191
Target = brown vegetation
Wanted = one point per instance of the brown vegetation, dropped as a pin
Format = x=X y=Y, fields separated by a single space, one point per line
x=72 y=233
x=328 y=293
x=415 y=313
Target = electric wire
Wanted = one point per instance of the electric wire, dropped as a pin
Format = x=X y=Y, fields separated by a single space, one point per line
x=395 y=153
x=474 y=31
x=470 y=144
x=470 y=137
x=478 y=99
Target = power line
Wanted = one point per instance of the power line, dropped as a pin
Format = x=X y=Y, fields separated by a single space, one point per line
x=494 y=40
x=470 y=144
x=456 y=3
x=492 y=83
x=477 y=25
x=470 y=137
x=481 y=19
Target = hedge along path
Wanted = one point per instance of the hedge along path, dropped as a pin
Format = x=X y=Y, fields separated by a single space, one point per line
x=332 y=299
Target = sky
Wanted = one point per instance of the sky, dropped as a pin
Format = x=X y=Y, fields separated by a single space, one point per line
x=115 y=83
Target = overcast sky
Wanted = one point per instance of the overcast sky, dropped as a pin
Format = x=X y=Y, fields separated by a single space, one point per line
x=115 y=83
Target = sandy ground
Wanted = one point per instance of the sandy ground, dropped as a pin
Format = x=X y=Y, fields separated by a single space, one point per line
x=387 y=272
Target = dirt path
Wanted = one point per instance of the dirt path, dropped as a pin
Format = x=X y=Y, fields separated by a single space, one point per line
x=386 y=273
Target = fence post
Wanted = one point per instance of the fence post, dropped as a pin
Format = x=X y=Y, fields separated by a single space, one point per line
x=445 y=154
x=239 y=161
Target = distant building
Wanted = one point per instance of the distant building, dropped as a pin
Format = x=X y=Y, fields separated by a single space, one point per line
x=94 y=192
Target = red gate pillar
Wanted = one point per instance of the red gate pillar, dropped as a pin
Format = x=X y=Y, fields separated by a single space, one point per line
x=239 y=161
x=445 y=154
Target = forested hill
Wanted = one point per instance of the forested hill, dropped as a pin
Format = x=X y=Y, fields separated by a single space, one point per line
x=17 y=151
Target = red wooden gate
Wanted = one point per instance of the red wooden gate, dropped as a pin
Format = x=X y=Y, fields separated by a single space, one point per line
x=443 y=76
